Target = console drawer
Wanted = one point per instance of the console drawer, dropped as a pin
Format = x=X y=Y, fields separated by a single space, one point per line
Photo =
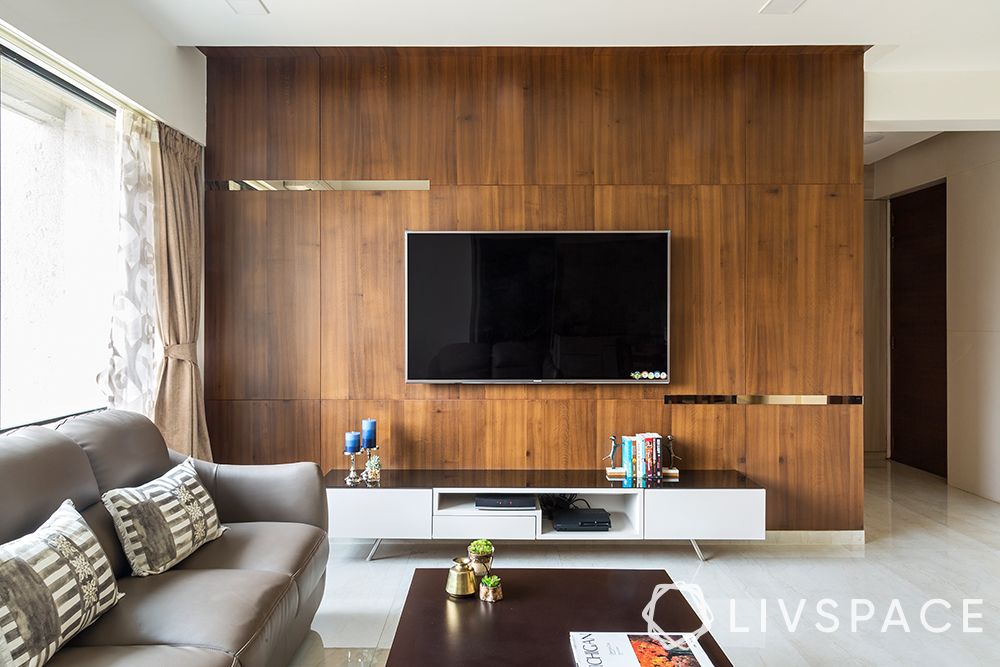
x=380 y=513
x=704 y=514
x=490 y=526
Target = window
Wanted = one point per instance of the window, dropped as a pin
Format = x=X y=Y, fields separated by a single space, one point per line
x=58 y=242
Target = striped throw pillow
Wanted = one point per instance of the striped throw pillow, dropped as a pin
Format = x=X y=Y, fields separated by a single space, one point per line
x=53 y=584
x=163 y=521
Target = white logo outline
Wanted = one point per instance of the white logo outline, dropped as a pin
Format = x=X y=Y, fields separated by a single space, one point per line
x=698 y=604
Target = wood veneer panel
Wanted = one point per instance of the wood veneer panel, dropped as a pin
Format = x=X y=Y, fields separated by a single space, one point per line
x=805 y=116
x=293 y=117
x=524 y=117
x=708 y=275
x=511 y=208
x=264 y=432
x=804 y=289
x=709 y=437
x=669 y=116
x=628 y=417
x=263 y=117
x=362 y=304
x=810 y=459
x=262 y=295
x=388 y=116
x=237 y=132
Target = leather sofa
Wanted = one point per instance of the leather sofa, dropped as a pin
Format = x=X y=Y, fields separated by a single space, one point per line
x=246 y=599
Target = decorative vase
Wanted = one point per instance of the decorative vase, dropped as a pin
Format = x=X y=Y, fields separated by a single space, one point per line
x=488 y=594
x=461 y=579
x=481 y=563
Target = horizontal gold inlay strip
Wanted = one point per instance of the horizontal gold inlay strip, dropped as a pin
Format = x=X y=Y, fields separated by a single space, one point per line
x=762 y=399
x=316 y=185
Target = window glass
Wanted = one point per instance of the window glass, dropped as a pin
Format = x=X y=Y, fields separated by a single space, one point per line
x=58 y=240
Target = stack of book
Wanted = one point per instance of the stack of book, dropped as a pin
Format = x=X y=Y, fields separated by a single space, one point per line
x=642 y=460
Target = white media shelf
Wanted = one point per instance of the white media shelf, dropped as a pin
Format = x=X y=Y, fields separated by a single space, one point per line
x=440 y=505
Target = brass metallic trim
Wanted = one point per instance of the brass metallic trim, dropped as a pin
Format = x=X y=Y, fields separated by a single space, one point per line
x=762 y=399
x=314 y=185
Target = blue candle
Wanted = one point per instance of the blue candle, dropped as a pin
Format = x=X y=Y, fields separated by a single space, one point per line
x=368 y=433
x=352 y=442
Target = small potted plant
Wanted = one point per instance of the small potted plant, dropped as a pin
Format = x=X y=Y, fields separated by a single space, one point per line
x=373 y=470
x=481 y=555
x=490 y=589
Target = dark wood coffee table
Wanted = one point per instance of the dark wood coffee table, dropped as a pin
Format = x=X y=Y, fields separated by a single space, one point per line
x=531 y=625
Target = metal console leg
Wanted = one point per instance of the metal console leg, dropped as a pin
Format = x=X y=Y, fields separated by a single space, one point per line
x=697 y=550
x=371 y=554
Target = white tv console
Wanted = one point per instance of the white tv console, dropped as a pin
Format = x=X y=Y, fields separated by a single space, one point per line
x=440 y=505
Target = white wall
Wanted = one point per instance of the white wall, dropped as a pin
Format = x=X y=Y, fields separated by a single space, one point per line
x=113 y=43
x=970 y=162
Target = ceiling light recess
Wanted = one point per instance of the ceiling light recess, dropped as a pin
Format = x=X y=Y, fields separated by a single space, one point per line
x=249 y=7
x=781 y=6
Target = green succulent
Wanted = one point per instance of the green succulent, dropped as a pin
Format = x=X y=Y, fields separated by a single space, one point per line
x=491 y=581
x=481 y=547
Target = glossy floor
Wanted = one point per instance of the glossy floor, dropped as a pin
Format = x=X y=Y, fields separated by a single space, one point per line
x=773 y=605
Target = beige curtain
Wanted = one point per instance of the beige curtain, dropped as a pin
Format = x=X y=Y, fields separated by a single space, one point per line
x=180 y=403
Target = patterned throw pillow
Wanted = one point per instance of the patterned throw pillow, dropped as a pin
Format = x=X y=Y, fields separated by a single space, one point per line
x=53 y=584
x=163 y=521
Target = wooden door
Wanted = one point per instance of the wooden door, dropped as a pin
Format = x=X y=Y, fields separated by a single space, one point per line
x=917 y=321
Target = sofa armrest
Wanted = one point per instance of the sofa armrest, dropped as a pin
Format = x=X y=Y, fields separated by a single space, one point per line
x=287 y=492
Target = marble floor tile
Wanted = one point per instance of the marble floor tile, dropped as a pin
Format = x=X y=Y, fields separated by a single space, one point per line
x=923 y=540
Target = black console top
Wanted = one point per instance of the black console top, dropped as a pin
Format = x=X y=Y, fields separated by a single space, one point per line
x=541 y=479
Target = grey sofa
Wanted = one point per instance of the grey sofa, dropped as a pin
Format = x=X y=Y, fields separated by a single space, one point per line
x=246 y=599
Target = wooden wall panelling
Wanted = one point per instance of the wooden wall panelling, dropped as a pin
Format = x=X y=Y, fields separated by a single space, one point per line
x=628 y=417
x=257 y=432
x=262 y=295
x=510 y=208
x=804 y=289
x=446 y=434
x=560 y=434
x=362 y=309
x=805 y=116
x=669 y=116
x=387 y=114
x=293 y=87
x=525 y=117
x=237 y=132
x=810 y=459
x=263 y=117
x=708 y=275
x=709 y=437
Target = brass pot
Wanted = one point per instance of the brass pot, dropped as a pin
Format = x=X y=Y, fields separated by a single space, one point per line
x=461 y=579
x=487 y=594
x=482 y=563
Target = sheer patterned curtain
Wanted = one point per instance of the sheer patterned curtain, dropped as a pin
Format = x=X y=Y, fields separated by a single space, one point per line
x=130 y=380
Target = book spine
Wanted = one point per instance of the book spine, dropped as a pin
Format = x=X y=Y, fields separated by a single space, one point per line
x=627 y=457
x=659 y=458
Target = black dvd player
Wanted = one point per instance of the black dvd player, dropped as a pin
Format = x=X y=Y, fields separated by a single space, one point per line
x=582 y=520
x=505 y=501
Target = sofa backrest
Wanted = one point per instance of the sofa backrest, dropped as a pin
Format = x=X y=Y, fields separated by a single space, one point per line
x=124 y=448
x=39 y=469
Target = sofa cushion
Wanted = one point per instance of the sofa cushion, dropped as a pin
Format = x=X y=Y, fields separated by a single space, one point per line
x=124 y=448
x=53 y=584
x=236 y=611
x=163 y=521
x=140 y=656
x=39 y=469
x=295 y=549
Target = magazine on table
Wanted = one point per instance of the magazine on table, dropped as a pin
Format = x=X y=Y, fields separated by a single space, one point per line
x=627 y=649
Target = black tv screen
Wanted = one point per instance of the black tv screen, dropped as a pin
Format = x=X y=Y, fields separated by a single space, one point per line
x=533 y=307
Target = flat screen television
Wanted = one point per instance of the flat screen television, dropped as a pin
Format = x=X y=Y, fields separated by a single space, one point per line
x=538 y=307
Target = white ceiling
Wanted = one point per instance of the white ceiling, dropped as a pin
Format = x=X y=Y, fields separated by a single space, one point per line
x=888 y=143
x=912 y=35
